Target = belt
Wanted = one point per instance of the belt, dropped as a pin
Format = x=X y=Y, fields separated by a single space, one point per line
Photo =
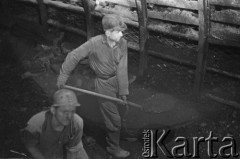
x=107 y=77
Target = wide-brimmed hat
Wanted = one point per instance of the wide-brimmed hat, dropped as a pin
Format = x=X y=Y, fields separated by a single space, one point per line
x=113 y=22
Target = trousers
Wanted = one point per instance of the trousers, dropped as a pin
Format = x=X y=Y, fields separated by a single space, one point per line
x=109 y=110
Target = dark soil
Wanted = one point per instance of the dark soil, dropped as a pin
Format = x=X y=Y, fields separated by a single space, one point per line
x=185 y=115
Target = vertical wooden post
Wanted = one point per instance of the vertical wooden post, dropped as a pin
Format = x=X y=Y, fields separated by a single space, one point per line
x=87 y=5
x=203 y=13
x=143 y=35
x=43 y=13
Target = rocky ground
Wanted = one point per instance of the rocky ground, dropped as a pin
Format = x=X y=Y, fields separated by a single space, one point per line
x=166 y=89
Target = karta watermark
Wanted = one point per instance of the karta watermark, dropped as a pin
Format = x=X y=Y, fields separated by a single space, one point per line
x=153 y=140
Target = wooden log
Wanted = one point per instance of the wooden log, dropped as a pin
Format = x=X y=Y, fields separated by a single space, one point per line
x=43 y=13
x=226 y=3
x=224 y=42
x=227 y=16
x=143 y=35
x=168 y=30
x=202 y=45
x=58 y=4
x=89 y=19
x=183 y=4
x=126 y=13
x=178 y=17
x=67 y=28
x=127 y=3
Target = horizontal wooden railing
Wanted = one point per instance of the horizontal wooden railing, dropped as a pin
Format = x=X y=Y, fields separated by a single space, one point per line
x=183 y=4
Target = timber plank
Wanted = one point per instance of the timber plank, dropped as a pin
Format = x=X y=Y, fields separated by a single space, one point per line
x=179 y=17
x=58 y=5
x=184 y=4
x=226 y=3
x=124 y=13
x=127 y=3
x=228 y=16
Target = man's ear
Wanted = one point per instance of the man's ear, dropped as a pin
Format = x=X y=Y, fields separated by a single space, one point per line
x=52 y=109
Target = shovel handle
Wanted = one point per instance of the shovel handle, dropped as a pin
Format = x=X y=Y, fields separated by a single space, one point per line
x=103 y=96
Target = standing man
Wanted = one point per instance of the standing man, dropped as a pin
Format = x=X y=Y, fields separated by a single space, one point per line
x=56 y=133
x=107 y=55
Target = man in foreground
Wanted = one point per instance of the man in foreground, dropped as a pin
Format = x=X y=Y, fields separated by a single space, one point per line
x=56 y=133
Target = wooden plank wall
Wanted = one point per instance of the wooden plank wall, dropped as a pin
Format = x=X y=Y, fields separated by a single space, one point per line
x=182 y=12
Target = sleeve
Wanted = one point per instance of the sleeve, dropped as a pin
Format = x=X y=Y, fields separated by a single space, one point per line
x=75 y=143
x=31 y=133
x=72 y=60
x=122 y=71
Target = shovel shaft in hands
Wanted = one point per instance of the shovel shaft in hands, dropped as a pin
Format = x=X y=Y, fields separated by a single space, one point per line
x=103 y=96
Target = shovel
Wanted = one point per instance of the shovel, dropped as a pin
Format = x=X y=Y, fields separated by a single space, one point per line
x=104 y=96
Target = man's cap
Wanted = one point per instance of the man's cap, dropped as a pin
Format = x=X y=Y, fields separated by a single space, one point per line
x=65 y=97
x=113 y=22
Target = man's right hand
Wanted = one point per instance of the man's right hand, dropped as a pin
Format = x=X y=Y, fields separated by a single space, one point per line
x=60 y=85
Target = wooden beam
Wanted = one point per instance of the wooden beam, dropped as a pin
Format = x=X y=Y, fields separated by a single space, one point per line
x=127 y=3
x=202 y=45
x=175 y=17
x=58 y=4
x=89 y=19
x=143 y=35
x=43 y=13
x=183 y=4
x=67 y=28
x=226 y=3
x=228 y=16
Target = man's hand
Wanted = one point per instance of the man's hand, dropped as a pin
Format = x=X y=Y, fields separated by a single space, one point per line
x=60 y=85
x=124 y=98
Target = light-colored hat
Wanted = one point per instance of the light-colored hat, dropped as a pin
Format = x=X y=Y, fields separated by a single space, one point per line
x=65 y=97
x=113 y=22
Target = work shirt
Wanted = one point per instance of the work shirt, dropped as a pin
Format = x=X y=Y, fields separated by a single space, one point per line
x=51 y=143
x=109 y=64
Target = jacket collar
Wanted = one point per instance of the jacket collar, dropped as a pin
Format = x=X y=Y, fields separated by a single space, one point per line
x=104 y=41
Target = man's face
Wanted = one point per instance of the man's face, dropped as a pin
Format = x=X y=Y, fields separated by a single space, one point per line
x=64 y=114
x=115 y=35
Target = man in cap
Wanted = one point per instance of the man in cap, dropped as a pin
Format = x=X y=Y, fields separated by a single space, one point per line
x=56 y=133
x=107 y=56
